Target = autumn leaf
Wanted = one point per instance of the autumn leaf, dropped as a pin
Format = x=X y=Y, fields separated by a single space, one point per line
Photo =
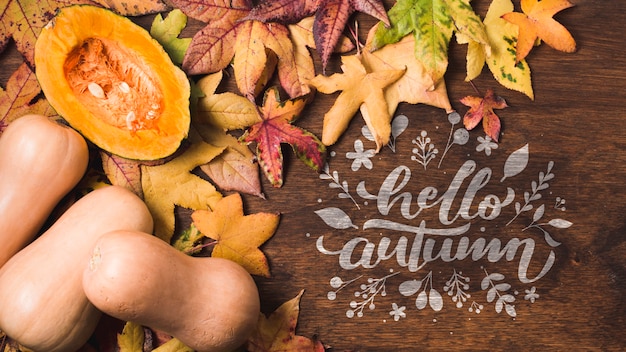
x=432 y=23
x=536 y=22
x=172 y=184
x=237 y=236
x=274 y=128
x=166 y=31
x=331 y=17
x=23 y=20
x=482 y=109
x=415 y=86
x=17 y=100
x=131 y=339
x=501 y=58
x=122 y=172
x=276 y=333
x=358 y=87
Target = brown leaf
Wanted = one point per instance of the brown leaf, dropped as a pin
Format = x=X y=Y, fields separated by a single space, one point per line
x=276 y=333
x=482 y=109
x=122 y=172
x=17 y=99
x=23 y=19
x=238 y=236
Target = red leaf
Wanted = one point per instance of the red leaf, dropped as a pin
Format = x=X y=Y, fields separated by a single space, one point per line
x=275 y=128
x=482 y=109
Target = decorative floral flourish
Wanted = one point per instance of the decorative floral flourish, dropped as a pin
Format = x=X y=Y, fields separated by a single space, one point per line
x=360 y=156
x=398 y=125
x=338 y=284
x=559 y=204
x=475 y=307
x=496 y=292
x=557 y=223
x=456 y=287
x=368 y=293
x=536 y=188
x=425 y=151
x=397 y=312
x=428 y=294
x=460 y=136
x=336 y=183
x=531 y=294
x=486 y=144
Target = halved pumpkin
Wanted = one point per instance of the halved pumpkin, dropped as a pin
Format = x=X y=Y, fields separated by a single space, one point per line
x=111 y=81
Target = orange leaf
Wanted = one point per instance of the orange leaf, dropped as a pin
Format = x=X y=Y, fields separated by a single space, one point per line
x=359 y=87
x=238 y=236
x=482 y=109
x=276 y=333
x=536 y=22
x=17 y=99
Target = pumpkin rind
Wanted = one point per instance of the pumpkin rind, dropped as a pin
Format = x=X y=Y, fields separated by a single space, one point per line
x=111 y=81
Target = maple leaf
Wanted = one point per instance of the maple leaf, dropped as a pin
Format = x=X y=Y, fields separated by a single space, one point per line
x=275 y=127
x=536 y=22
x=276 y=333
x=432 y=23
x=415 y=86
x=359 y=87
x=17 y=99
x=331 y=17
x=23 y=19
x=131 y=338
x=237 y=236
x=482 y=109
x=168 y=185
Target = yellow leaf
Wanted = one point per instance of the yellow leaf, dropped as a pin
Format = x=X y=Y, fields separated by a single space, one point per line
x=359 y=87
x=131 y=339
x=238 y=236
x=536 y=22
x=226 y=111
x=171 y=184
x=173 y=345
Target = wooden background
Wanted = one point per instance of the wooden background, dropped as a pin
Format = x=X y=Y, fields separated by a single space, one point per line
x=576 y=120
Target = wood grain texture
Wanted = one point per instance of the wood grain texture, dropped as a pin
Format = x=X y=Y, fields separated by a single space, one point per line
x=576 y=121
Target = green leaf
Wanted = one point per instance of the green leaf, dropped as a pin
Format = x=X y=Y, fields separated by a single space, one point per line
x=432 y=23
x=166 y=32
x=131 y=339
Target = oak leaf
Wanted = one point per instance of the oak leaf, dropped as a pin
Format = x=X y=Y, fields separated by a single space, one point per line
x=358 y=87
x=23 y=20
x=481 y=108
x=536 y=22
x=237 y=236
x=501 y=58
x=432 y=23
x=275 y=127
x=276 y=333
x=17 y=100
x=172 y=184
x=331 y=17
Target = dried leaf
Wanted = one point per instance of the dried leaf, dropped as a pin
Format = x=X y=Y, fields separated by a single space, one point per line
x=131 y=339
x=358 y=87
x=482 y=109
x=122 y=172
x=331 y=17
x=238 y=236
x=275 y=127
x=415 y=86
x=23 y=20
x=172 y=184
x=536 y=22
x=166 y=31
x=17 y=99
x=432 y=23
x=173 y=345
x=276 y=333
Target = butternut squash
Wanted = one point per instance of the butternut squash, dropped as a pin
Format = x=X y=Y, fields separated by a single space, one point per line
x=209 y=304
x=42 y=303
x=40 y=162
